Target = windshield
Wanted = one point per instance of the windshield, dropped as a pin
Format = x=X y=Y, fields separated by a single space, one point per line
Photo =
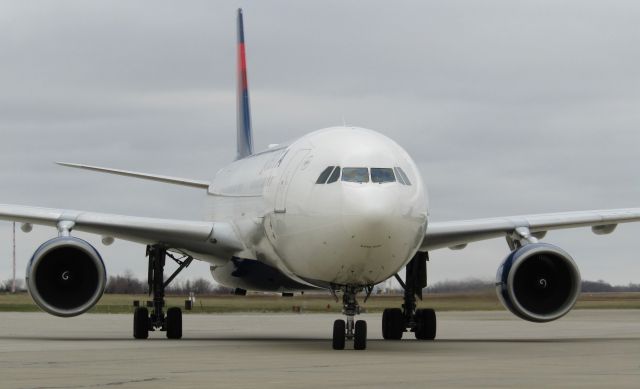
x=402 y=176
x=324 y=175
x=381 y=175
x=334 y=176
x=355 y=174
x=362 y=175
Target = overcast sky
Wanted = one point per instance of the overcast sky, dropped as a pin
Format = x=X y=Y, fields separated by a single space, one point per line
x=507 y=108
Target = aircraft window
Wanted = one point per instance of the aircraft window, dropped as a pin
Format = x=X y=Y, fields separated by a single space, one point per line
x=403 y=175
x=381 y=175
x=334 y=176
x=400 y=179
x=324 y=175
x=355 y=174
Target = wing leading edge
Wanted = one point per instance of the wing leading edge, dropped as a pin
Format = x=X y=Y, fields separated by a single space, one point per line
x=456 y=234
x=144 y=176
x=213 y=240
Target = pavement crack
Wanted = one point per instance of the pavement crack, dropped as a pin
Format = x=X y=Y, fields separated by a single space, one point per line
x=114 y=383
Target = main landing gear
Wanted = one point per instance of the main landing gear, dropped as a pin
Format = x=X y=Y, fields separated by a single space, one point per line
x=350 y=330
x=143 y=322
x=422 y=322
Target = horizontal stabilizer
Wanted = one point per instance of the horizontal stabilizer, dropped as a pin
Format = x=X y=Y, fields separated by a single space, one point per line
x=144 y=176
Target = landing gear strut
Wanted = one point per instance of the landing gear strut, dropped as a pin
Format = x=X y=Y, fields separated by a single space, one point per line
x=422 y=322
x=351 y=329
x=143 y=322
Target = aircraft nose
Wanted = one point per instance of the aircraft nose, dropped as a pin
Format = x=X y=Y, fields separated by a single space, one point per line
x=368 y=215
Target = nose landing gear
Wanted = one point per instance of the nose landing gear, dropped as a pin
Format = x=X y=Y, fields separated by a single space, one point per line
x=351 y=329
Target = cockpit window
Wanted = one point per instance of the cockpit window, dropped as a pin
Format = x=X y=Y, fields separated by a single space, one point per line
x=402 y=177
x=360 y=175
x=380 y=175
x=355 y=174
x=324 y=175
x=335 y=175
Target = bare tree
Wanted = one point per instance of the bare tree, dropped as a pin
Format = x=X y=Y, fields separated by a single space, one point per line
x=5 y=286
x=125 y=284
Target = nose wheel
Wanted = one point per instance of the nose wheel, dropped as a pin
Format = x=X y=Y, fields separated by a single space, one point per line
x=350 y=329
x=339 y=334
x=360 y=335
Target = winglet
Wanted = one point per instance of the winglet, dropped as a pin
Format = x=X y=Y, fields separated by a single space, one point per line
x=244 y=135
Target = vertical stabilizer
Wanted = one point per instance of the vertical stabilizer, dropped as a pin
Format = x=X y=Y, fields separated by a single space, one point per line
x=245 y=138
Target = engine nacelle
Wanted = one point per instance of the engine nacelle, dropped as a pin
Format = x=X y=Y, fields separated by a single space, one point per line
x=538 y=282
x=66 y=276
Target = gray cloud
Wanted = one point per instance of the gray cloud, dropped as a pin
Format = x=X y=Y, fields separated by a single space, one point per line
x=507 y=107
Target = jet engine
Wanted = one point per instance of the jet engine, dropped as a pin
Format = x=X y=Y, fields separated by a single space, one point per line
x=538 y=282
x=66 y=276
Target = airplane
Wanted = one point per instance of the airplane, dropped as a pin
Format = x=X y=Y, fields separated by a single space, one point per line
x=341 y=209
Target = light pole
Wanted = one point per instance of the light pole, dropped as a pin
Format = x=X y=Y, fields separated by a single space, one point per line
x=13 y=283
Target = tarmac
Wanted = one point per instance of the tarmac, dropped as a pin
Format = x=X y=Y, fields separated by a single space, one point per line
x=587 y=348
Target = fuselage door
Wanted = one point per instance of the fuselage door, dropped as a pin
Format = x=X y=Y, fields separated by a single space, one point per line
x=290 y=170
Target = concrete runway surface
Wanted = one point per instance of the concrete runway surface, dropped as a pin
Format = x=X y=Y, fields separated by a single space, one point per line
x=474 y=349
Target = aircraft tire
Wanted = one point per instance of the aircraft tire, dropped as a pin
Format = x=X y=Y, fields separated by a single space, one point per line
x=339 y=328
x=141 y=323
x=360 y=336
x=174 y=323
x=426 y=320
x=393 y=324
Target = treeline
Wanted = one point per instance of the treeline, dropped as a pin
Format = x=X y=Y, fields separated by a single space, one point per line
x=128 y=284
x=601 y=286
x=5 y=286
x=476 y=285
x=471 y=285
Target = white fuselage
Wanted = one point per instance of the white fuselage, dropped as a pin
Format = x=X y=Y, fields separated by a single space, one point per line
x=343 y=232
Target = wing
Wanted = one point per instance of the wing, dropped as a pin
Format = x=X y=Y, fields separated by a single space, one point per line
x=144 y=176
x=216 y=240
x=457 y=234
